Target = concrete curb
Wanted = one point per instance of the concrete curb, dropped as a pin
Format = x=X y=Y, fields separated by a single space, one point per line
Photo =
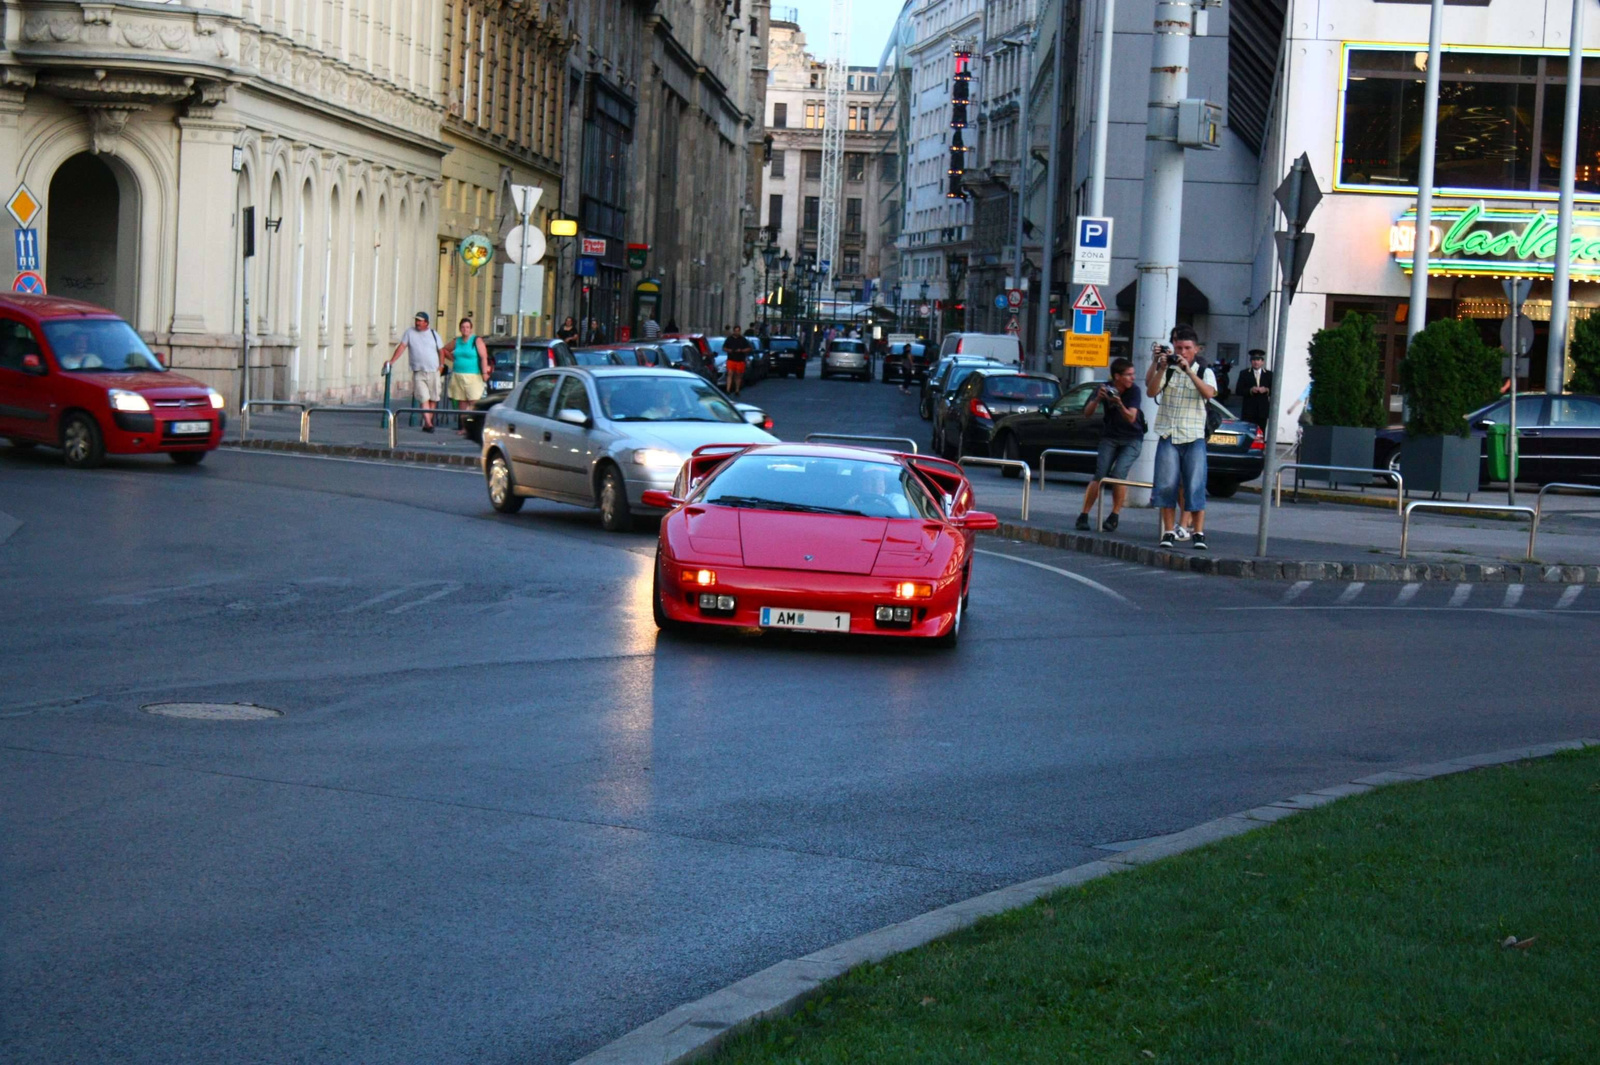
x=1288 y=570
x=697 y=1028
x=352 y=451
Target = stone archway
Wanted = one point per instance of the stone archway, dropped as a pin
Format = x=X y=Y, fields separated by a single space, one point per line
x=91 y=247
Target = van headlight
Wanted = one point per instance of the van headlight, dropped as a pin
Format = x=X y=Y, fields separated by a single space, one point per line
x=122 y=399
x=217 y=402
x=657 y=458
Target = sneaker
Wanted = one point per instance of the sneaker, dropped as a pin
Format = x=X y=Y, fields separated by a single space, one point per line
x=427 y=428
x=1110 y=523
x=1199 y=542
x=1181 y=533
x=1083 y=523
x=1168 y=540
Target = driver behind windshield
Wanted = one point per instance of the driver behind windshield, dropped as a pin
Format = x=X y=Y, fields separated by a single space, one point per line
x=75 y=353
x=874 y=497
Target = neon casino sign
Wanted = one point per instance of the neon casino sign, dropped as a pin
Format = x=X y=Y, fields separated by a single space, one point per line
x=1475 y=240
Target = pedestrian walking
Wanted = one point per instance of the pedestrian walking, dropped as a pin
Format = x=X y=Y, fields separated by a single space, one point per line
x=651 y=328
x=1255 y=385
x=737 y=349
x=568 y=331
x=469 y=365
x=1121 y=440
x=424 y=348
x=1181 y=433
x=595 y=334
x=672 y=327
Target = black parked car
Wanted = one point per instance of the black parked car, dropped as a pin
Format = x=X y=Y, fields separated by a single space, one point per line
x=986 y=394
x=1558 y=437
x=685 y=355
x=787 y=356
x=905 y=361
x=1235 y=453
x=939 y=380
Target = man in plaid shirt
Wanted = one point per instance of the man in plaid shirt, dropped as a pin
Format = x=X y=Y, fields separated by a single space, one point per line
x=1181 y=433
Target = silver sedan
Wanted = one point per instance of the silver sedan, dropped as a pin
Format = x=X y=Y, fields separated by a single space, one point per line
x=601 y=436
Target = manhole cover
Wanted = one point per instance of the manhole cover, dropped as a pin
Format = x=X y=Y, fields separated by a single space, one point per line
x=212 y=711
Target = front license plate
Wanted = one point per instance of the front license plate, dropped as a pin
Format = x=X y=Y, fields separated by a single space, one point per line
x=1223 y=439
x=186 y=428
x=810 y=620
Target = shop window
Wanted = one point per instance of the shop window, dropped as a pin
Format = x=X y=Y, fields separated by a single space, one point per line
x=1500 y=119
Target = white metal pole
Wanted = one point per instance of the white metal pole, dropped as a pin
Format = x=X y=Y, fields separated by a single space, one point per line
x=1418 y=314
x=1555 y=368
x=522 y=276
x=1022 y=160
x=1052 y=187
x=1102 y=111
x=1161 y=218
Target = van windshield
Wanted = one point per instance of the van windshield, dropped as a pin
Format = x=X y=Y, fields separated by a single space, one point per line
x=99 y=345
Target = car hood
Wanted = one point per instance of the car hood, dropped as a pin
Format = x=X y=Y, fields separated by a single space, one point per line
x=819 y=543
x=684 y=437
x=169 y=384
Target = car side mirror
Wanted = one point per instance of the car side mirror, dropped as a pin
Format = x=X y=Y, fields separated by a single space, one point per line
x=573 y=416
x=755 y=417
x=977 y=521
x=1486 y=424
x=654 y=497
x=33 y=364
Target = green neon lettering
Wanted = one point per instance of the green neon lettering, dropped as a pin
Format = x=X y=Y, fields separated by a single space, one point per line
x=1456 y=235
x=1535 y=230
x=1586 y=248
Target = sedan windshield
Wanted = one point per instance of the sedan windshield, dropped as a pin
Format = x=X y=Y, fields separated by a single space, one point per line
x=849 y=345
x=99 y=345
x=594 y=358
x=1022 y=389
x=663 y=399
x=811 y=485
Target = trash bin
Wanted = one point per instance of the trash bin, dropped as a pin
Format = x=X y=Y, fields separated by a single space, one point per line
x=1499 y=461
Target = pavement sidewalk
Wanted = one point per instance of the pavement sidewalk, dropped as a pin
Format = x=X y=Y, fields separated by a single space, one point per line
x=355 y=434
x=1316 y=539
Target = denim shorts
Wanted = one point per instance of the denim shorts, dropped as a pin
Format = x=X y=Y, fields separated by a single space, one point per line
x=1116 y=458
x=1177 y=464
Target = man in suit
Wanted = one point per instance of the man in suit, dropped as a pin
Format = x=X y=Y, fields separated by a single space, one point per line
x=1255 y=387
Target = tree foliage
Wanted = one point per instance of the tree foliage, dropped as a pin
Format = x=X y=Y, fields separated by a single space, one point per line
x=1585 y=355
x=1448 y=373
x=1346 y=377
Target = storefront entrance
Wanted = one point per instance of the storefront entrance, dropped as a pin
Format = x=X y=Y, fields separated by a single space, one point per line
x=92 y=240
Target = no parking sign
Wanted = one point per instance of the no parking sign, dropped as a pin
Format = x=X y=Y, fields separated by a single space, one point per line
x=29 y=283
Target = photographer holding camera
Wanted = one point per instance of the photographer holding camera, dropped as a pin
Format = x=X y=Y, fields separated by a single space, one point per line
x=1120 y=441
x=1181 y=432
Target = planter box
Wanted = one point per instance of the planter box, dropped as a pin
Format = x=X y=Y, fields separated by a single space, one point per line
x=1444 y=464
x=1336 y=445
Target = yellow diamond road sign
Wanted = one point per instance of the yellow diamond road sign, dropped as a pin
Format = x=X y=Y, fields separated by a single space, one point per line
x=24 y=206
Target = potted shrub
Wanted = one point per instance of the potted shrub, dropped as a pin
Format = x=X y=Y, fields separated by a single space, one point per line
x=1346 y=399
x=1448 y=373
x=1585 y=354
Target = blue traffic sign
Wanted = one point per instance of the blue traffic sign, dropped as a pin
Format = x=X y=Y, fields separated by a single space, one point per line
x=1087 y=323
x=1001 y=302
x=27 y=249
x=1094 y=233
x=585 y=267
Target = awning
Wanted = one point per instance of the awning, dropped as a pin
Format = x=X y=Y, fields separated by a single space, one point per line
x=1190 y=299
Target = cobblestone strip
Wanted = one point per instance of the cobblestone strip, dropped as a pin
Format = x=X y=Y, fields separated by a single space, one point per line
x=695 y=1029
x=352 y=451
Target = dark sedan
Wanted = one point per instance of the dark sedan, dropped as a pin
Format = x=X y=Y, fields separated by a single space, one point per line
x=966 y=422
x=1235 y=453
x=1558 y=437
x=906 y=361
x=787 y=356
x=943 y=379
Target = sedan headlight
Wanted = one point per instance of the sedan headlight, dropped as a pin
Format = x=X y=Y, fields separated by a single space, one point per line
x=124 y=400
x=217 y=402
x=657 y=458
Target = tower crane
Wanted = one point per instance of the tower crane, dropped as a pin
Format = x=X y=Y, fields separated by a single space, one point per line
x=833 y=131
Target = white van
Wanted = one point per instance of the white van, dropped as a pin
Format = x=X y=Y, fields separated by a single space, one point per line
x=1001 y=347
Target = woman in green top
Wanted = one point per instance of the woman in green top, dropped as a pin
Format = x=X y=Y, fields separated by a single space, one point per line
x=469 y=365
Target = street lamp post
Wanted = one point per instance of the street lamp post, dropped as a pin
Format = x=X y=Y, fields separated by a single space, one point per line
x=769 y=256
x=928 y=335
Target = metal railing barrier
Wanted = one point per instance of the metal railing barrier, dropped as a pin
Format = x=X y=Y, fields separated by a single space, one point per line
x=1486 y=508
x=305 y=419
x=814 y=438
x=1060 y=451
x=1100 y=503
x=1008 y=464
x=1538 y=505
x=253 y=404
x=1399 y=481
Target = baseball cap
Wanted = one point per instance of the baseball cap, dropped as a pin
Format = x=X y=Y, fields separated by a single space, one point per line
x=423 y=315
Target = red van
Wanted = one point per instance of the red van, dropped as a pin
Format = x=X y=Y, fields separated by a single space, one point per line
x=77 y=377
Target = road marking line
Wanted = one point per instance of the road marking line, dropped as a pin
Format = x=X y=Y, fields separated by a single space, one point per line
x=384 y=597
x=1349 y=594
x=1295 y=592
x=1513 y=596
x=1408 y=593
x=1080 y=578
x=450 y=586
x=1460 y=596
x=1522 y=612
x=1569 y=597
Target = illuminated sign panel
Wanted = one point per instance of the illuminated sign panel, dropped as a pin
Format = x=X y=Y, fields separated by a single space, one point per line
x=1475 y=240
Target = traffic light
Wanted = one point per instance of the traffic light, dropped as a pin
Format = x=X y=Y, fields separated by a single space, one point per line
x=960 y=97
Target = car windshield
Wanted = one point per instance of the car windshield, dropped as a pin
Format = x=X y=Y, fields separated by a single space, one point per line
x=1021 y=389
x=99 y=345
x=849 y=345
x=594 y=358
x=816 y=485
x=716 y=344
x=783 y=344
x=663 y=399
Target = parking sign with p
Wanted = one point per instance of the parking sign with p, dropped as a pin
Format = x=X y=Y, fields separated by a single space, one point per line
x=1091 y=252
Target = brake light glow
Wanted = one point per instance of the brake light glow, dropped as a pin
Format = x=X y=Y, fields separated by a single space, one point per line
x=1258 y=442
x=912 y=590
x=978 y=410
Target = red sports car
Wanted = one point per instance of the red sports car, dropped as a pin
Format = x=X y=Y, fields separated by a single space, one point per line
x=817 y=538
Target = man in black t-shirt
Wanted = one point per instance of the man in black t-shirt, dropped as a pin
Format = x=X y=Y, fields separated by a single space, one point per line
x=1120 y=441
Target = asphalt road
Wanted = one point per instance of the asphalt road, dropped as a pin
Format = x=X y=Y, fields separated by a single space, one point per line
x=501 y=820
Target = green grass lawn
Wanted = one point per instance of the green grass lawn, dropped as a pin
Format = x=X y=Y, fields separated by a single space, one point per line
x=1370 y=930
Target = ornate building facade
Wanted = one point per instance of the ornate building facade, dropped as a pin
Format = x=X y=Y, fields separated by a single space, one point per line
x=145 y=131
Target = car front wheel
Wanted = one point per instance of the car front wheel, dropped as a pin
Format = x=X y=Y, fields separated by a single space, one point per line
x=1008 y=450
x=663 y=622
x=614 y=513
x=502 y=491
x=952 y=636
x=82 y=443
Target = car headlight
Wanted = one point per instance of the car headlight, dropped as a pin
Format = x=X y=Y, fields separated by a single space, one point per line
x=124 y=400
x=657 y=458
x=217 y=402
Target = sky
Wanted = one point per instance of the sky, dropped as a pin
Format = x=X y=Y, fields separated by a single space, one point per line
x=870 y=23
